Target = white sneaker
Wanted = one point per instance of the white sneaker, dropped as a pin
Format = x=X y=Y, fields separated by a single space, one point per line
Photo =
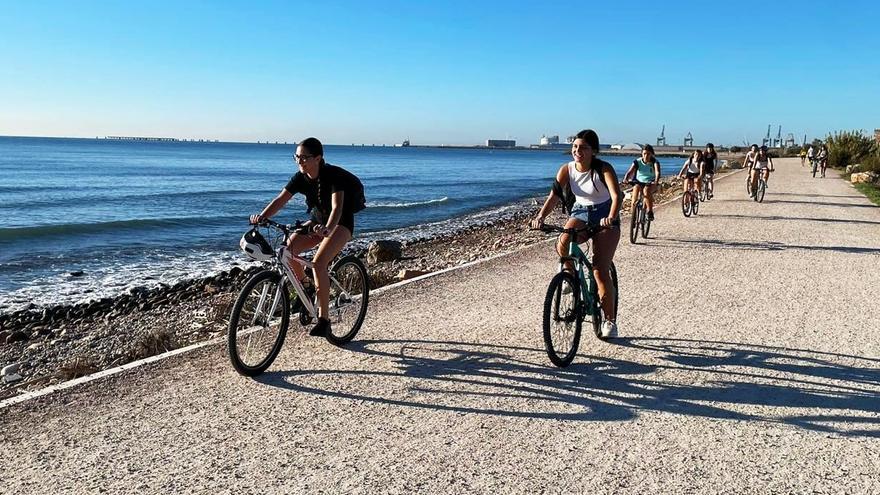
x=609 y=329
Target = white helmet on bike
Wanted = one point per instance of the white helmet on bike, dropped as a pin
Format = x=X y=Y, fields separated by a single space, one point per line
x=256 y=246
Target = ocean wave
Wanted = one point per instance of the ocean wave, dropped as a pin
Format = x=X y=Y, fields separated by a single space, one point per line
x=67 y=229
x=407 y=205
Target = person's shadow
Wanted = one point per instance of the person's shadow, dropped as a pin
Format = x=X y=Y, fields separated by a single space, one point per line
x=734 y=381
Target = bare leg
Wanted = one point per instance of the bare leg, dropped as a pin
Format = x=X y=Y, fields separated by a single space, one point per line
x=604 y=245
x=562 y=243
x=329 y=248
x=649 y=197
x=296 y=245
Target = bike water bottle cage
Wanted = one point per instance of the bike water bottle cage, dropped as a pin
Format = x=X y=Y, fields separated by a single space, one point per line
x=256 y=246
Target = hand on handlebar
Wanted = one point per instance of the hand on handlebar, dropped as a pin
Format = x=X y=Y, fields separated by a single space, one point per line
x=256 y=219
x=321 y=230
x=537 y=223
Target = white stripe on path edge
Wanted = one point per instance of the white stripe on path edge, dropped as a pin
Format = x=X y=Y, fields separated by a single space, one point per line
x=18 y=399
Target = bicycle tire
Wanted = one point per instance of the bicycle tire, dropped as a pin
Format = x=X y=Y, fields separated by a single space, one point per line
x=646 y=225
x=762 y=188
x=254 y=337
x=634 y=224
x=598 y=312
x=569 y=339
x=814 y=170
x=351 y=272
x=686 y=204
x=695 y=207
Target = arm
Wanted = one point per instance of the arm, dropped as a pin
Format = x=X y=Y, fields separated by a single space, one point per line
x=683 y=167
x=551 y=201
x=771 y=163
x=614 y=190
x=656 y=172
x=336 y=201
x=273 y=206
x=628 y=176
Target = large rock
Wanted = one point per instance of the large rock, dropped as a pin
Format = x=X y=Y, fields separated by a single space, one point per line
x=408 y=274
x=864 y=177
x=380 y=251
x=851 y=169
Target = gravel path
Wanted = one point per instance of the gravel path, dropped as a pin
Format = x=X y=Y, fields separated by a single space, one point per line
x=749 y=363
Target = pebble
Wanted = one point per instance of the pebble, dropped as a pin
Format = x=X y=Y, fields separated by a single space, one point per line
x=9 y=369
x=11 y=378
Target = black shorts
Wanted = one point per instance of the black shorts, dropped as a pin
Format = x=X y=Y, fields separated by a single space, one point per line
x=692 y=175
x=346 y=220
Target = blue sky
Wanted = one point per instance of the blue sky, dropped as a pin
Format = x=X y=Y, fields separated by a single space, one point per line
x=438 y=72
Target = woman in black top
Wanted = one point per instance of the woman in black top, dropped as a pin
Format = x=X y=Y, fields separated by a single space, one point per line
x=333 y=196
x=710 y=158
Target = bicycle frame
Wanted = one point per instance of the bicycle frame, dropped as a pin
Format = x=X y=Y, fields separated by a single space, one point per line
x=579 y=258
x=282 y=262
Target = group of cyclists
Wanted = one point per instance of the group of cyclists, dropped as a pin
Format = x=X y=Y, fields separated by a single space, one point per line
x=586 y=185
x=819 y=159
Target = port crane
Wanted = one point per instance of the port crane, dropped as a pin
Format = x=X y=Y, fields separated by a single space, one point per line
x=689 y=140
x=766 y=140
x=661 y=141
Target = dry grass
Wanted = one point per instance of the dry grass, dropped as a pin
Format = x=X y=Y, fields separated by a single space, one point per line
x=152 y=343
x=77 y=367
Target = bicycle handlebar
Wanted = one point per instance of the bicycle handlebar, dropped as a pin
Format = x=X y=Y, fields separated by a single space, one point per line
x=297 y=228
x=591 y=229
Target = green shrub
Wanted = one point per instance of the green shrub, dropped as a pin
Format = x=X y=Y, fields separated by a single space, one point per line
x=849 y=147
x=871 y=163
x=735 y=149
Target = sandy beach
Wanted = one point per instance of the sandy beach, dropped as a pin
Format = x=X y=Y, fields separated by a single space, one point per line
x=748 y=363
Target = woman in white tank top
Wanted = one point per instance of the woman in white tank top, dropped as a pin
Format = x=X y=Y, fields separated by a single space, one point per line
x=763 y=164
x=596 y=201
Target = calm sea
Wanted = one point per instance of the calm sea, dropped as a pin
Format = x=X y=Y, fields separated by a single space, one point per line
x=85 y=218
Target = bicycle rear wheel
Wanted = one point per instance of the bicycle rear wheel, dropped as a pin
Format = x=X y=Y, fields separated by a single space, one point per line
x=695 y=207
x=349 y=297
x=562 y=319
x=258 y=323
x=814 y=170
x=634 y=224
x=646 y=224
x=686 y=203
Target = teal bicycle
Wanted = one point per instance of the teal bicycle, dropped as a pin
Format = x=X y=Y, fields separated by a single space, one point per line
x=572 y=297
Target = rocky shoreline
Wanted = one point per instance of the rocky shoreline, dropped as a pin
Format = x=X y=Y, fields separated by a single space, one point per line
x=43 y=346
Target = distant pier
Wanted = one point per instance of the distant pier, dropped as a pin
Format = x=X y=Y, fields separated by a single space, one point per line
x=141 y=138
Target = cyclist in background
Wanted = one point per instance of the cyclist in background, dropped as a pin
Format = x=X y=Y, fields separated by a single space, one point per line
x=691 y=170
x=710 y=158
x=644 y=175
x=763 y=166
x=749 y=162
x=333 y=196
x=590 y=193
x=823 y=158
x=803 y=155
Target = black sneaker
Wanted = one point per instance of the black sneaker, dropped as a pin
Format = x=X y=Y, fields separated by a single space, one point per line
x=651 y=215
x=321 y=329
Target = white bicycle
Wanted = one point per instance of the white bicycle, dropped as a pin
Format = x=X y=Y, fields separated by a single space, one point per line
x=261 y=314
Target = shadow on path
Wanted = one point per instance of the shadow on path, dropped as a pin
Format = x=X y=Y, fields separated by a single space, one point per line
x=688 y=377
x=815 y=203
x=756 y=246
x=777 y=217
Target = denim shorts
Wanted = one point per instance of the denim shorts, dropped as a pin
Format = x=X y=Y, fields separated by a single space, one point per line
x=591 y=215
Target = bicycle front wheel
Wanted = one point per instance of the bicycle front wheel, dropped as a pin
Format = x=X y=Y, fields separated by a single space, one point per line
x=258 y=323
x=695 y=207
x=759 y=193
x=349 y=296
x=562 y=319
x=646 y=225
x=686 y=204
x=634 y=225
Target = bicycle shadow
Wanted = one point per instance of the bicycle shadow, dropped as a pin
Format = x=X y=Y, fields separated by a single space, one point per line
x=724 y=380
x=756 y=246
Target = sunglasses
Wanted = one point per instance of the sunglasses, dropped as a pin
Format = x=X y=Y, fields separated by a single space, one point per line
x=302 y=158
